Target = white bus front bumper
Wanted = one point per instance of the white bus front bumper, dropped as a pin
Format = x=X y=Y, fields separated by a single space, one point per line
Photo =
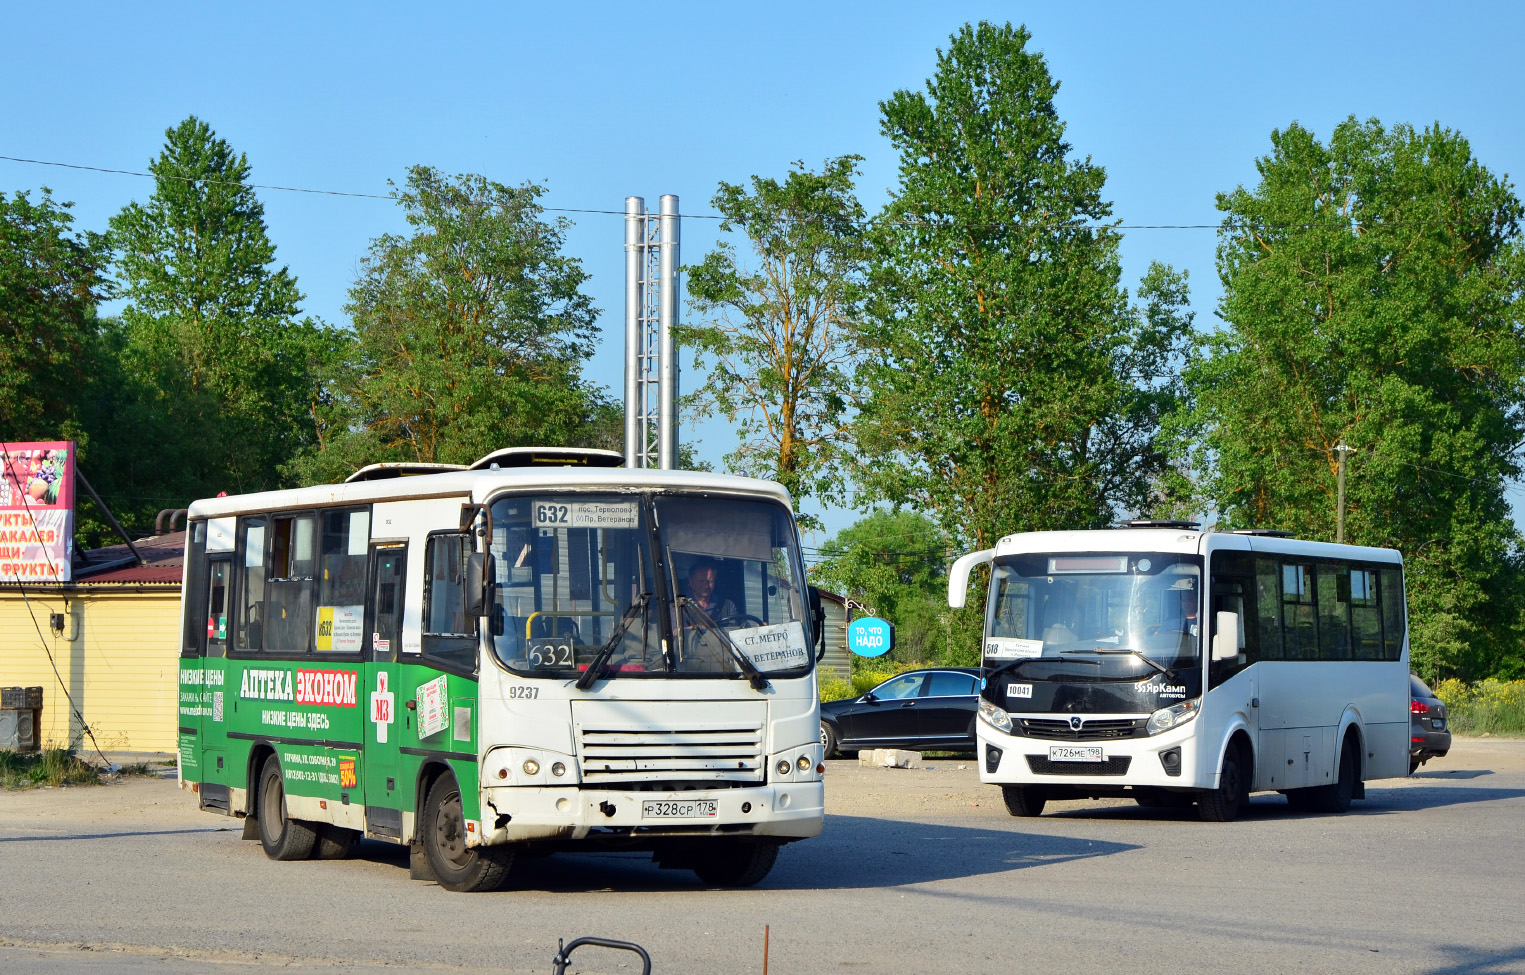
x=786 y=810
x=1020 y=755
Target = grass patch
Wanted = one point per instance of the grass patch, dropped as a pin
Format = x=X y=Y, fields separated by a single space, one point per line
x=1488 y=707
x=55 y=766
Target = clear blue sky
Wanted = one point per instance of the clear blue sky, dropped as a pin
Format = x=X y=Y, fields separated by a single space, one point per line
x=601 y=101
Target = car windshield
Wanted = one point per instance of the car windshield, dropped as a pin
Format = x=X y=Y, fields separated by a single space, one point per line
x=577 y=587
x=1068 y=607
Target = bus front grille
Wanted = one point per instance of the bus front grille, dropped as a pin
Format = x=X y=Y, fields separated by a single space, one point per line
x=1117 y=765
x=667 y=742
x=1091 y=729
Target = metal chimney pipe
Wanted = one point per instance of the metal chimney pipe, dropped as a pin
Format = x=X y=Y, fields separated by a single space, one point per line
x=635 y=231
x=667 y=409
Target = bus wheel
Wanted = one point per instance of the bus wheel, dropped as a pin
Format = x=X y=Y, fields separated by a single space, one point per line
x=735 y=863
x=1222 y=805
x=443 y=835
x=1024 y=800
x=1336 y=798
x=335 y=842
x=282 y=838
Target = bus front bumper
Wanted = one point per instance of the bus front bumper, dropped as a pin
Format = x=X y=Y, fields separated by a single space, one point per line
x=1019 y=760
x=518 y=814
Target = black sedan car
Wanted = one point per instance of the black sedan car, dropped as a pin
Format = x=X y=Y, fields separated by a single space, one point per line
x=1429 y=737
x=920 y=709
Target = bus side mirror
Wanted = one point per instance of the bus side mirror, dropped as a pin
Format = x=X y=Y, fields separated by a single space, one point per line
x=958 y=576
x=1226 y=637
x=479 y=583
x=818 y=622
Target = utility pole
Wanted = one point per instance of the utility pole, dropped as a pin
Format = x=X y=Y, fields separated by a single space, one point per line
x=1339 y=518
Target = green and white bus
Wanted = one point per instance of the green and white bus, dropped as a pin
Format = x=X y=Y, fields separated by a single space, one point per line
x=539 y=652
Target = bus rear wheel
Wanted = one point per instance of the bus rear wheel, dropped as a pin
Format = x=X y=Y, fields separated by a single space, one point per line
x=735 y=863
x=443 y=835
x=1024 y=800
x=283 y=838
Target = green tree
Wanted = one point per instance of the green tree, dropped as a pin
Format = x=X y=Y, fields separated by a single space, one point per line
x=211 y=325
x=469 y=335
x=51 y=280
x=894 y=564
x=781 y=338
x=1372 y=297
x=1011 y=385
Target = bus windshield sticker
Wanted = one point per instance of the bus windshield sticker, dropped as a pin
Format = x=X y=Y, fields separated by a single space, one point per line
x=587 y=514
x=1012 y=648
x=432 y=716
x=1019 y=690
x=341 y=629
x=779 y=646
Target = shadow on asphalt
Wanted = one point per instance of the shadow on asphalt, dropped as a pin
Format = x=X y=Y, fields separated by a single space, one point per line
x=1470 y=960
x=853 y=852
x=1379 y=801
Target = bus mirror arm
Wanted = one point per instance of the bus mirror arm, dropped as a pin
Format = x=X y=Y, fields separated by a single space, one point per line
x=479 y=583
x=818 y=622
x=1226 y=637
x=958 y=576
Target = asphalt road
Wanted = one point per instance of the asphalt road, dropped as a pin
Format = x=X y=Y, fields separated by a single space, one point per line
x=918 y=871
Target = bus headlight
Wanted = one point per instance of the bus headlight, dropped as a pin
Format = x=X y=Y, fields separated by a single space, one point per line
x=1166 y=718
x=995 y=717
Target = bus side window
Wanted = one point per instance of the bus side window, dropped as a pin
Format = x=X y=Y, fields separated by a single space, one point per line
x=1234 y=591
x=1390 y=590
x=450 y=636
x=1333 y=611
x=1267 y=604
x=249 y=609
x=193 y=640
x=1365 y=615
x=1299 y=624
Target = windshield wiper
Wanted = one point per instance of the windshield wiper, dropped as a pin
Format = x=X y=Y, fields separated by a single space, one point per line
x=754 y=676
x=1161 y=668
x=596 y=665
x=1013 y=665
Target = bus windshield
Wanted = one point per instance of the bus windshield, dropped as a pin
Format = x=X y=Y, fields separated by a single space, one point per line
x=577 y=586
x=1086 y=605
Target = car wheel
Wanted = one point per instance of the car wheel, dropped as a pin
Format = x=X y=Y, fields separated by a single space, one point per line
x=1414 y=764
x=443 y=834
x=1222 y=805
x=736 y=863
x=1024 y=800
x=282 y=838
x=828 y=741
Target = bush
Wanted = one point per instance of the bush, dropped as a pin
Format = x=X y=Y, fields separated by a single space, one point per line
x=1492 y=706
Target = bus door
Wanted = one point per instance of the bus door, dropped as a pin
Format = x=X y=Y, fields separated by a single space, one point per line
x=383 y=727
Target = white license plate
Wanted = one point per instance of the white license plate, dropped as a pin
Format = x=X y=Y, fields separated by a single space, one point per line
x=1437 y=723
x=1075 y=753
x=679 y=809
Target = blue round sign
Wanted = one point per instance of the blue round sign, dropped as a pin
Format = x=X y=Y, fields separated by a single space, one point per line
x=870 y=636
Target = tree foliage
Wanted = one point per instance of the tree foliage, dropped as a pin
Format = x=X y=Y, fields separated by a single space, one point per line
x=895 y=566
x=782 y=338
x=211 y=327
x=1373 y=296
x=469 y=334
x=1011 y=386
x=51 y=280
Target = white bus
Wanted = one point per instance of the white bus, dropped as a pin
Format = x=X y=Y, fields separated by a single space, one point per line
x=542 y=652
x=1176 y=666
